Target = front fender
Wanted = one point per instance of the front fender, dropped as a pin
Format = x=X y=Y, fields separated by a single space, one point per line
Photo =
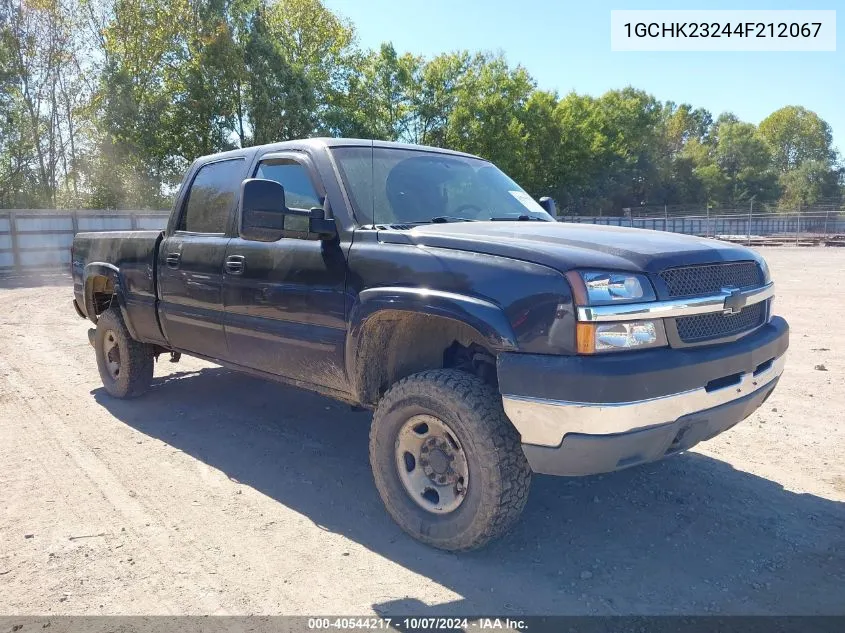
x=471 y=314
x=485 y=317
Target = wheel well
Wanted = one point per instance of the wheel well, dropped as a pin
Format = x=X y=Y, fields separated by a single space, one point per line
x=395 y=344
x=99 y=295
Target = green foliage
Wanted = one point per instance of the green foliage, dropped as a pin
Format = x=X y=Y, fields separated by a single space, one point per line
x=807 y=184
x=796 y=135
x=279 y=97
x=104 y=103
x=489 y=112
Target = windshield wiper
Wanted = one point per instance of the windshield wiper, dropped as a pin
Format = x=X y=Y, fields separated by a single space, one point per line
x=518 y=218
x=442 y=219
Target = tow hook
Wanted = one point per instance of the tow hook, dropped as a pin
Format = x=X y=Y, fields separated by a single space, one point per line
x=92 y=332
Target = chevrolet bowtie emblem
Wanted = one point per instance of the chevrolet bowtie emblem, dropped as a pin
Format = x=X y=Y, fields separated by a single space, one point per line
x=735 y=301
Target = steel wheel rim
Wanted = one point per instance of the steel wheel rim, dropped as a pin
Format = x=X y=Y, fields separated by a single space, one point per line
x=432 y=464
x=111 y=353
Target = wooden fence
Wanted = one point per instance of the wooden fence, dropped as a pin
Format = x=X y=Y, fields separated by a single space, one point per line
x=33 y=240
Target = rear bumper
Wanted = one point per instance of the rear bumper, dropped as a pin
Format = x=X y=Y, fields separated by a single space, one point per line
x=685 y=396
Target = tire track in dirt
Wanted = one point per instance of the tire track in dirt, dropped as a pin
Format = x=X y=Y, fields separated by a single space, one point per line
x=170 y=504
x=62 y=424
x=121 y=518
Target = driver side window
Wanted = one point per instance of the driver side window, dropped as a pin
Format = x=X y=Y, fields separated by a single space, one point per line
x=299 y=190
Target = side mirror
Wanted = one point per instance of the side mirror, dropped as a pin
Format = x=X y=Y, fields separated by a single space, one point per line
x=549 y=205
x=262 y=210
x=319 y=225
x=266 y=218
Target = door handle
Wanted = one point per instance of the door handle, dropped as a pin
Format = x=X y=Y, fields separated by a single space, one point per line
x=235 y=264
x=172 y=260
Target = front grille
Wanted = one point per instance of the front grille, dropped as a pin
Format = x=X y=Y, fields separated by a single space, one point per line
x=715 y=325
x=708 y=279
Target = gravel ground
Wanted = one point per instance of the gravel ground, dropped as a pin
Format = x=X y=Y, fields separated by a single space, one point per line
x=218 y=493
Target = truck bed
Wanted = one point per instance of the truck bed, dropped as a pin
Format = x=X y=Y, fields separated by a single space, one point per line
x=128 y=259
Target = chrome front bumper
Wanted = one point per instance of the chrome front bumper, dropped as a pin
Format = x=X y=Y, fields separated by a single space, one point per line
x=543 y=422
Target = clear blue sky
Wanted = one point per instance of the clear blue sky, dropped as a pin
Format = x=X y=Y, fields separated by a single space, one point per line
x=565 y=45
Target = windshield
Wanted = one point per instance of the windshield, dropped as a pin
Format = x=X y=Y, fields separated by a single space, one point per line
x=398 y=186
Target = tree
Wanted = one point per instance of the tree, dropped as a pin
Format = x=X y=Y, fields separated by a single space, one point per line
x=575 y=159
x=377 y=103
x=435 y=96
x=744 y=161
x=542 y=140
x=39 y=72
x=202 y=82
x=319 y=47
x=137 y=156
x=684 y=124
x=489 y=112
x=796 y=135
x=280 y=98
x=811 y=182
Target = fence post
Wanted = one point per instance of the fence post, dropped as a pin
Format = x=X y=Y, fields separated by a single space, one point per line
x=74 y=219
x=826 y=215
x=13 y=236
x=798 y=226
x=750 y=216
x=133 y=221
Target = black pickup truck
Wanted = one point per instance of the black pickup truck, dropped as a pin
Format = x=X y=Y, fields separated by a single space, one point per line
x=490 y=340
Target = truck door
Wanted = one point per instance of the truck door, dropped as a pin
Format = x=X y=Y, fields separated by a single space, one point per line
x=284 y=300
x=190 y=264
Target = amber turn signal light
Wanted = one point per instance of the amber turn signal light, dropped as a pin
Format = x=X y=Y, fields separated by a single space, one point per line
x=585 y=334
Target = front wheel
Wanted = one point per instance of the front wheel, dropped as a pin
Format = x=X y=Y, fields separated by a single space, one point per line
x=446 y=460
x=126 y=366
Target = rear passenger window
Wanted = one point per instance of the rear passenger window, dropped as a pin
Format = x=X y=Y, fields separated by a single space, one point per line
x=211 y=198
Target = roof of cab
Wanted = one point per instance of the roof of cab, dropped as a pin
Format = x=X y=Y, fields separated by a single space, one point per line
x=321 y=142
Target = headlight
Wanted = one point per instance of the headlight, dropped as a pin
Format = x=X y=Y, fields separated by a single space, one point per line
x=621 y=336
x=607 y=287
x=596 y=288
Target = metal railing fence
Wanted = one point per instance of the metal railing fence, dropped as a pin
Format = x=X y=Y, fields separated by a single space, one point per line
x=32 y=240
x=753 y=228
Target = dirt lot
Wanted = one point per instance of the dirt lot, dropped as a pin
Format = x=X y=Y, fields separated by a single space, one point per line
x=219 y=493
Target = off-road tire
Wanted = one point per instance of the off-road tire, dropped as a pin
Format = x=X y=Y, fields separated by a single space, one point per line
x=499 y=474
x=136 y=359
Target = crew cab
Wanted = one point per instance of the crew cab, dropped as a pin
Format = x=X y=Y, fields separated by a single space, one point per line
x=491 y=341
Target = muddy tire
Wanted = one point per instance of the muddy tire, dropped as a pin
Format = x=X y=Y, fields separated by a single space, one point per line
x=126 y=366
x=446 y=460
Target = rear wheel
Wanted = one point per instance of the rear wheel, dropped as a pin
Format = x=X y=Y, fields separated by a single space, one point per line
x=126 y=366
x=446 y=460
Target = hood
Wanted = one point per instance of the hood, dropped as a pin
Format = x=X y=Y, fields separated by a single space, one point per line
x=565 y=246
